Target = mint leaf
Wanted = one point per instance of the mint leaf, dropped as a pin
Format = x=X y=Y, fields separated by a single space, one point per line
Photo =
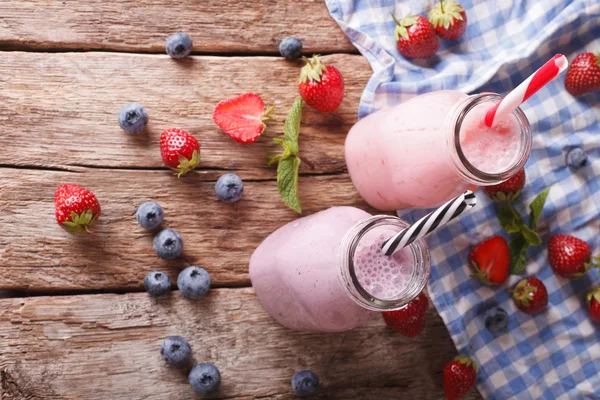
x=536 y=207
x=292 y=126
x=518 y=248
x=287 y=182
x=508 y=220
x=530 y=236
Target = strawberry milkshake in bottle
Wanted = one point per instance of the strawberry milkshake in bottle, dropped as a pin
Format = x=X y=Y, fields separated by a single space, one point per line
x=433 y=147
x=326 y=272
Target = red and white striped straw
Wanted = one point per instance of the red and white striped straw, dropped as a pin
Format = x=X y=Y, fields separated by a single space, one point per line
x=525 y=90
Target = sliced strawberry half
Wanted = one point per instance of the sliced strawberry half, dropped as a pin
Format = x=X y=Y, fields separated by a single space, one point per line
x=242 y=117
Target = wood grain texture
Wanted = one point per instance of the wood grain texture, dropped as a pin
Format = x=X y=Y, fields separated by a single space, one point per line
x=106 y=347
x=69 y=104
x=144 y=25
x=37 y=255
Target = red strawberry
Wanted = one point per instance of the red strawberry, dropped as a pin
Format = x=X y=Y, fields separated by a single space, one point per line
x=77 y=209
x=569 y=256
x=321 y=86
x=592 y=304
x=409 y=320
x=180 y=151
x=491 y=260
x=583 y=75
x=449 y=19
x=459 y=377
x=507 y=190
x=415 y=37
x=242 y=117
x=530 y=295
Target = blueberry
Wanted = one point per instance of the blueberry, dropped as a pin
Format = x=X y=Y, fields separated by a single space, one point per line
x=168 y=244
x=175 y=349
x=179 y=45
x=205 y=378
x=150 y=215
x=305 y=383
x=193 y=282
x=496 y=320
x=290 y=48
x=229 y=188
x=133 y=118
x=157 y=283
x=576 y=158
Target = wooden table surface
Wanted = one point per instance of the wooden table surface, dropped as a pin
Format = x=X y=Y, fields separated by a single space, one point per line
x=75 y=322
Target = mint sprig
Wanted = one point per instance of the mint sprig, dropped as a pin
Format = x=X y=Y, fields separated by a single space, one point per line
x=289 y=160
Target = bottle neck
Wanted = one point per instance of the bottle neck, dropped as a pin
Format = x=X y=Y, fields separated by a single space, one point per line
x=361 y=236
x=455 y=124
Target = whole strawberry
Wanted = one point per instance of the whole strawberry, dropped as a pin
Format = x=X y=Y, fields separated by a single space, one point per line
x=410 y=320
x=592 y=304
x=569 y=256
x=507 y=190
x=77 y=209
x=242 y=117
x=449 y=19
x=530 y=295
x=583 y=75
x=459 y=377
x=415 y=37
x=321 y=86
x=180 y=151
x=491 y=260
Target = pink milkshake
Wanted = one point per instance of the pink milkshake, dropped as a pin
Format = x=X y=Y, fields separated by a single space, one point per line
x=325 y=272
x=433 y=147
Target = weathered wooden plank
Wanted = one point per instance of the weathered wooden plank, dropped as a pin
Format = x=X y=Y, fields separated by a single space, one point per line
x=37 y=255
x=107 y=345
x=59 y=110
x=144 y=25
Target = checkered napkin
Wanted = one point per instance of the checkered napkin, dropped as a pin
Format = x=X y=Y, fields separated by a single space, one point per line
x=556 y=354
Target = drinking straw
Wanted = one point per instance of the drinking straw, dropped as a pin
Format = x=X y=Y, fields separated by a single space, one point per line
x=525 y=90
x=430 y=222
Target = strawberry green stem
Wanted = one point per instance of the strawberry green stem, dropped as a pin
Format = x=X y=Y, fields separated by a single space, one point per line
x=442 y=6
x=395 y=20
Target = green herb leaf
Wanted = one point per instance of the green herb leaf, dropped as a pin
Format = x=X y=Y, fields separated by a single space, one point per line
x=518 y=249
x=287 y=182
x=536 y=207
x=530 y=236
x=292 y=126
x=508 y=220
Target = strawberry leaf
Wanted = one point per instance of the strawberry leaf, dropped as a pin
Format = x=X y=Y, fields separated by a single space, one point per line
x=518 y=249
x=536 y=207
x=287 y=182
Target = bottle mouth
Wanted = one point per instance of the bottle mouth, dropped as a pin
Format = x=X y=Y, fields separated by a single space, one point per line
x=349 y=278
x=469 y=171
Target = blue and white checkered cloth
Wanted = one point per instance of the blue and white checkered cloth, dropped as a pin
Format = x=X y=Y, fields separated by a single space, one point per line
x=556 y=354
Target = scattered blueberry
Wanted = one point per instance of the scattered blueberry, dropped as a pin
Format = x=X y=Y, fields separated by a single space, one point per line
x=576 y=158
x=305 y=383
x=205 y=378
x=193 y=282
x=290 y=48
x=168 y=244
x=133 y=118
x=157 y=283
x=179 y=45
x=496 y=320
x=229 y=188
x=175 y=349
x=150 y=215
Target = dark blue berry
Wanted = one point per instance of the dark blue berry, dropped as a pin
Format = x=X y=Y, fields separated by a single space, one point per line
x=305 y=383
x=179 y=45
x=290 y=48
x=150 y=215
x=229 y=188
x=157 y=283
x=576 y=158
x=496 y=320
x=168 y=244
x=193 y=282
x=205 y=378
x=133 y=118
x=175 y=350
